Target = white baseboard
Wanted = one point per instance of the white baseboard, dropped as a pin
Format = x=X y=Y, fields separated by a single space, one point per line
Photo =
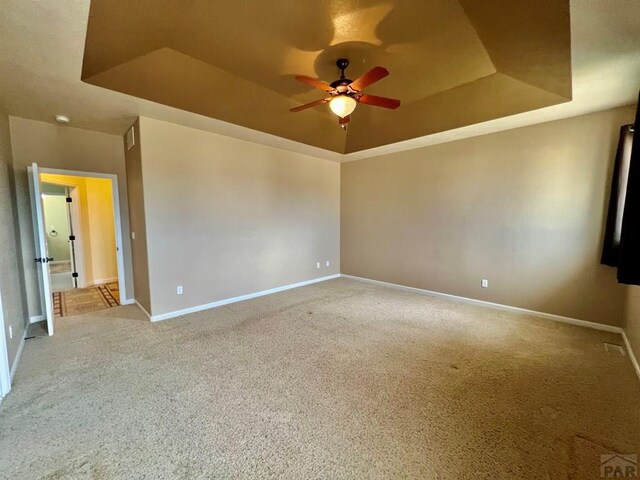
x=18 y=356
x=472 y=301
x=128 y=301
x=100 y=281
x=630 y=352
x=219 y=303
x=36 y=319
x=143 y=309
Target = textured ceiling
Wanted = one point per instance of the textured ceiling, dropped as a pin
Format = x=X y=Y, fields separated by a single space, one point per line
x=42 y=51
x=452 y=64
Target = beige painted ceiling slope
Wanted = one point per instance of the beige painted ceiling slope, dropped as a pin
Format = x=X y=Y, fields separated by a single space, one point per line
x=453 y=63
x=41 y=66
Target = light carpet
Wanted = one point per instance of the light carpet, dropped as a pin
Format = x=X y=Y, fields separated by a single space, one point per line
x=335 y=380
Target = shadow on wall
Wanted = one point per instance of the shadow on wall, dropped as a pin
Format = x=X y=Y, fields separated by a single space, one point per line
x=565 y=299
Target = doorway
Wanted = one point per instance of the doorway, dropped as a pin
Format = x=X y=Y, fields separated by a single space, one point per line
x=79 y=236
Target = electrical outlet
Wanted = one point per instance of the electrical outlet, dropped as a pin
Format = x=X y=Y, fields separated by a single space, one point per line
x=179 y=289
x=318 y=265
x=328 y=263
x=484 y=283
x=10 y=332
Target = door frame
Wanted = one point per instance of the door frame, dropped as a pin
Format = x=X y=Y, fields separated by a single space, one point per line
x=116 y=216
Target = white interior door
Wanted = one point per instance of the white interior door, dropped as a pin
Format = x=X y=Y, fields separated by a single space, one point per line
x=42 y=255
x=5 y=373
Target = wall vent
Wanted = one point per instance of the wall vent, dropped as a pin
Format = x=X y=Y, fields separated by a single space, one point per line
x=131 y=138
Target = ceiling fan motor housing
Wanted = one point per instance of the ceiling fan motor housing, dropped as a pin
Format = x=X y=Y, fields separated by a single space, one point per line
x=341 y=85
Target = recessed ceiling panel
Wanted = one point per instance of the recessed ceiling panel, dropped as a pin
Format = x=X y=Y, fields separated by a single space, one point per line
x=452 y=63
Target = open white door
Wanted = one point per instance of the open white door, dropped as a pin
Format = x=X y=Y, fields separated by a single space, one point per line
x=5 y=373
x=42 y=255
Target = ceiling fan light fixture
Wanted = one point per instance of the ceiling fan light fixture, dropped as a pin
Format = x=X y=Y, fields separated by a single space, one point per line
x=345 y=94
x=342 y=105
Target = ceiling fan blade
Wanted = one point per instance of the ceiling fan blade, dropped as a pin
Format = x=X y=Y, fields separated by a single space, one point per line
x=372 y=76
x=345 y=120
x=309 y=105
x=383 y=102
x=314 y=82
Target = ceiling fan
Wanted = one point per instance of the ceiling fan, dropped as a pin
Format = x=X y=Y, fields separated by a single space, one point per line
x=345 y=94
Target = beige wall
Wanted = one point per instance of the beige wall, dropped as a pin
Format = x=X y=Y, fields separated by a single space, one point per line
x=226 y=217
x=632 y=319
x=104 y=266
x=135 y=191
x=11 y=276
x=522 y=208
x=66 y=148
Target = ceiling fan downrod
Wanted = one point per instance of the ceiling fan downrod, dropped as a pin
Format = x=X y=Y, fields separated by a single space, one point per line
x=342 y=64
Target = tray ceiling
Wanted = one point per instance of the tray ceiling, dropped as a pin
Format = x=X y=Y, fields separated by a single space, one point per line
x=452 y=63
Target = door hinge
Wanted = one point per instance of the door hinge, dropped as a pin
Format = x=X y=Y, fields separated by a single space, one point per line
x=74 y=274
x=43 y=260
x=72 y=237
x=69 y=200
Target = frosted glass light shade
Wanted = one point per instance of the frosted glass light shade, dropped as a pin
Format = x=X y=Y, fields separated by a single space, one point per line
x=342 y=105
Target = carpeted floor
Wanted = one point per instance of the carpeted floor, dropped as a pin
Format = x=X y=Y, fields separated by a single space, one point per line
x=78 y=301
x=335 y=380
